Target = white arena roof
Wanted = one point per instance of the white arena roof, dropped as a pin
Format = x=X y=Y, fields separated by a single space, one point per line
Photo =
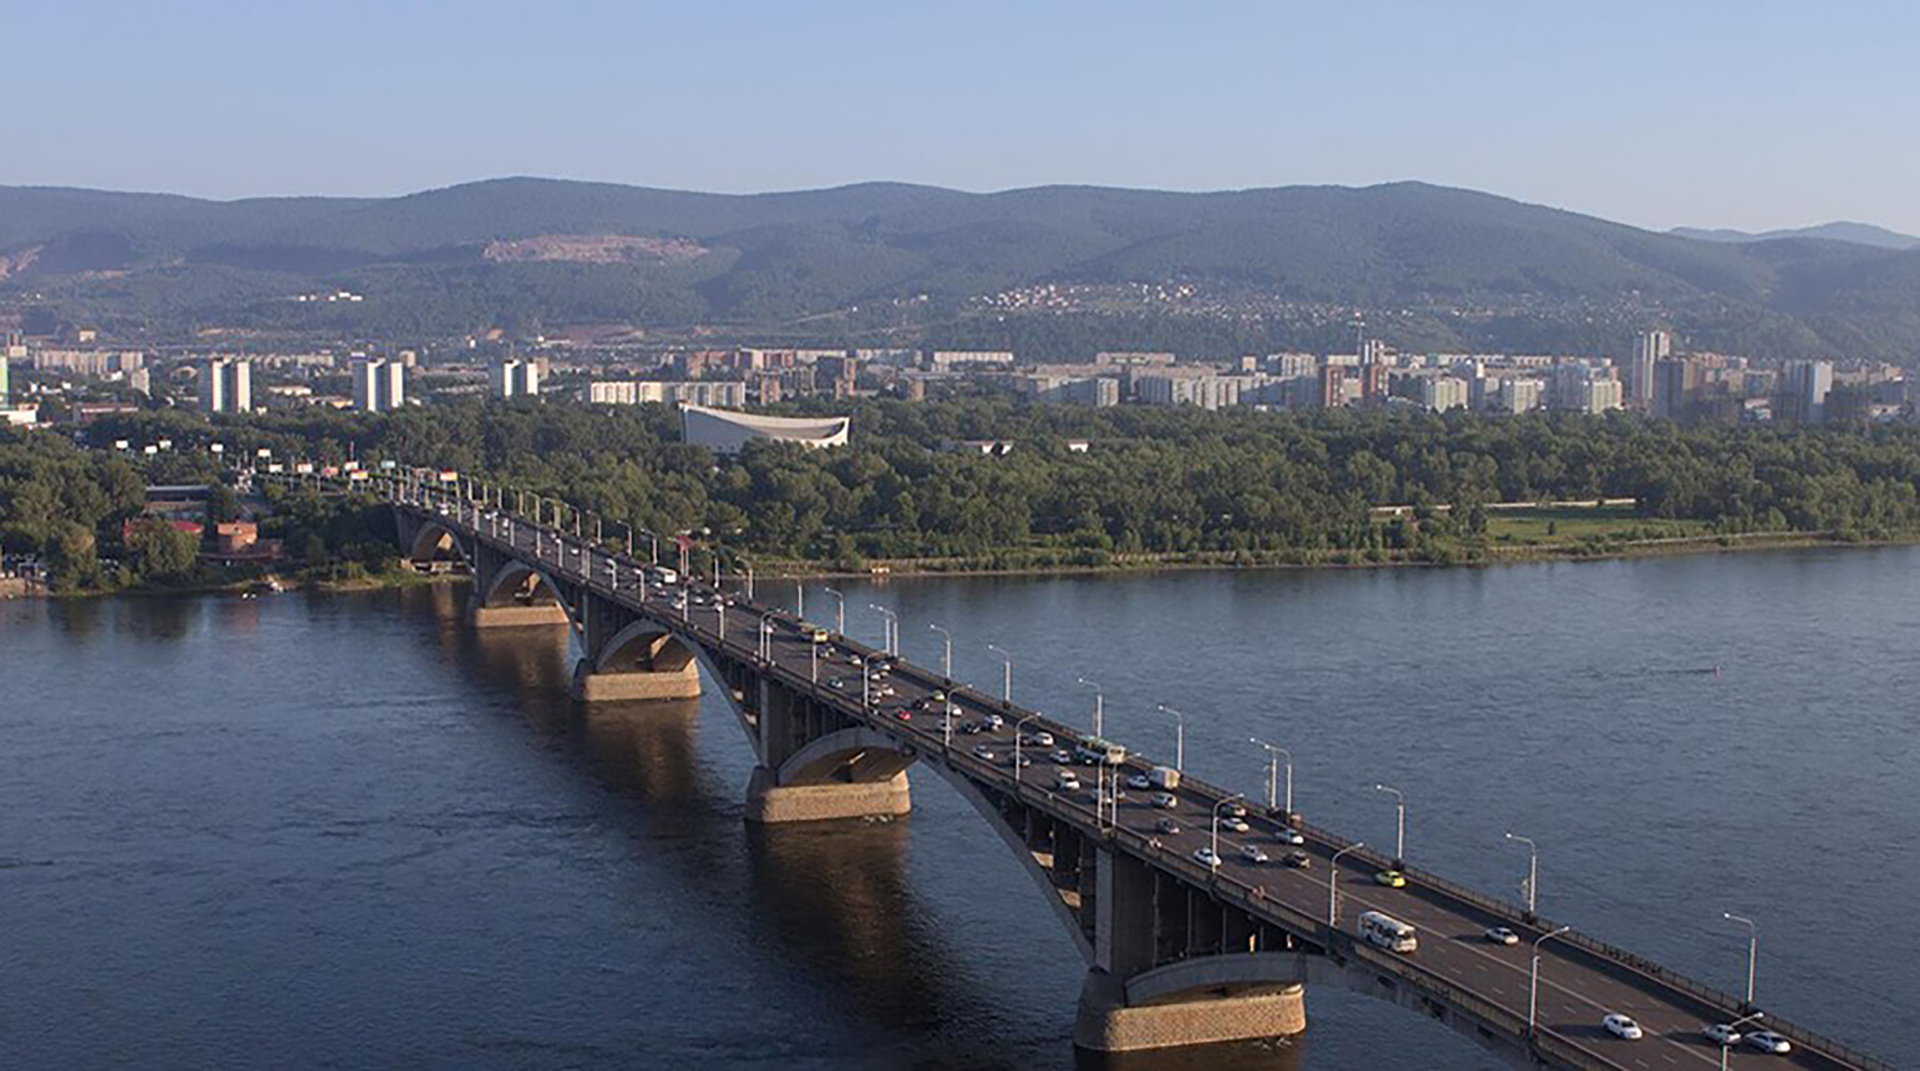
x=725 y=431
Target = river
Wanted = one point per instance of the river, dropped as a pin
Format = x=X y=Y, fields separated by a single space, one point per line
x=347 y=831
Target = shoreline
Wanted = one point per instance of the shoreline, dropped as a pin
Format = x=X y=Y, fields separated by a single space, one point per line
x=920 y=569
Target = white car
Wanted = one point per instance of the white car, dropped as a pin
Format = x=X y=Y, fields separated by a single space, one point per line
x=1039 y=739
x=1500 y=935
x=994 y=722
x=983 y=752
x=1622 y=1026
x=1139 y=783
x=1062 y=758
x=1163 y=800
x=1235 y=823
x=1067 y=781
x=1768 y=1041
x=1289 y=835
x=1206 y=857
x=1252 y=853
x=1722 y=1034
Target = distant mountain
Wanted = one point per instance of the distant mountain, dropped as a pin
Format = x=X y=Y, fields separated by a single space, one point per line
x=1054 y=271
x=1839 y=231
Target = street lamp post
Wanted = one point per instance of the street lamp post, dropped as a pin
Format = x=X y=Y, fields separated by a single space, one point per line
x=1533 y=870
x=800 y=599
x=1533 y=980
x=1006 y=674
x=1753 y=947
x=1179 y=736
x=766 y=636
x=946 y=657
x=840 y=613
x=1016 y=745
x=1216 y=825
x=1099 y=707
x=1399 y=823
x=1735 y=1025
x=1274 y=751
x=889 y=643
x=1333 y=881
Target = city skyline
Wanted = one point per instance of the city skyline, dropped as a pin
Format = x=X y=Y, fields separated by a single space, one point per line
x=1768 y=116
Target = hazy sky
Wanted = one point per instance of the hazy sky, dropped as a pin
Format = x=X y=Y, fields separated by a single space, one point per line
x=1743 y=113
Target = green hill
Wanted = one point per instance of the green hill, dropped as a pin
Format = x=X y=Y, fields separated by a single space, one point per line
x=1433 y=266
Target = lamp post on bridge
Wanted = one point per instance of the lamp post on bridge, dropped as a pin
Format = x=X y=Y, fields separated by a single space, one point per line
x=1099 y=707
x=1179 y=736
x=1399 y=823
x=1333 y=881
x=1753 y=947
x=1016 y=747
x=1274 y=751
x=888 y=643
x=800 y=599
x=1533 y=980
x=946 y=657
x=839 y=613
x=766 y=636
x=1006 y=673
x=1215 y=865
x=1533 y=871
x=1726 y=1045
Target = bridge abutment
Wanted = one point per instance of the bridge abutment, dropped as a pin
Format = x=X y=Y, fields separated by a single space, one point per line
x=769 y=802
x=518 y=615
x=1105 y=1022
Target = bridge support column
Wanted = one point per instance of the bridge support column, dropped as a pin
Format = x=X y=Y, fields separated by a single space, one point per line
x=634 y=684
x=770 y=802
x=1106 y=1023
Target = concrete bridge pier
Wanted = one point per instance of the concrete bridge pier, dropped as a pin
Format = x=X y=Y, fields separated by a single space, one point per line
x=817 y=765
x=1174 y=967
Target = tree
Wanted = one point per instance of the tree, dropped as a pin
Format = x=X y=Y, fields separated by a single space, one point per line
x=161 y=553
x=222 y=505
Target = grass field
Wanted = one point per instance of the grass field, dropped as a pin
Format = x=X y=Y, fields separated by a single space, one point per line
x=1555 y=525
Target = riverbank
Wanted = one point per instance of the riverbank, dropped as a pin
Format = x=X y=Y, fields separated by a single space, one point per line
x=1465 y=556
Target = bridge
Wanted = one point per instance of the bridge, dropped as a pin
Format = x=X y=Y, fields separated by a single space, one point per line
x=1182 y=947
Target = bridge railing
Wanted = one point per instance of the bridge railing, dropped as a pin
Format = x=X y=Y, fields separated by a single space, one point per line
x=1253 y=897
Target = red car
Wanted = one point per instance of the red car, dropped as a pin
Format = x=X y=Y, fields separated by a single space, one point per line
x=903 y=714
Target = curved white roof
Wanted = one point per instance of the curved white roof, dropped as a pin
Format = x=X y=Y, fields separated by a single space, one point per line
x=725 y=431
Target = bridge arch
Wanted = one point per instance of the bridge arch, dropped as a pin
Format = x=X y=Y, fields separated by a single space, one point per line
x=431 y=539
x=518 y=584
x=645 y=645
x=854 y=755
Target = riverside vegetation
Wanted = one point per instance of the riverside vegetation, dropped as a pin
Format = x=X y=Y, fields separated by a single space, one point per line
x=1155 y=486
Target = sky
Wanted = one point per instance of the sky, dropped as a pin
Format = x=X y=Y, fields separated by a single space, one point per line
x=1746 y=113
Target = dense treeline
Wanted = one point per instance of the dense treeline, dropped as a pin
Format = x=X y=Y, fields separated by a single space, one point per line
x=1260 y=486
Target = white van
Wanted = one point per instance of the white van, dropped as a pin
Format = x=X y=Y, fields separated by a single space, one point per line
x=1388 y=932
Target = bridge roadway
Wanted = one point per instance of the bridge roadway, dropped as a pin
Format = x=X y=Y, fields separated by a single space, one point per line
x=1580 y=980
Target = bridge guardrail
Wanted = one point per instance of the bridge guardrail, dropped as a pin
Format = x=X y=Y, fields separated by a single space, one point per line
x=1607 y=954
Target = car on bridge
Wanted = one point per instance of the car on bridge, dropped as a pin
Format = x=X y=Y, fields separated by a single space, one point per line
x=1289 y=835
x=1392 y=879
x=1163 y=800
x=1500 y=935
x=984 y=751
x=1235 y=823
x=1768 y=1041
x=1062 y=757
x=903 y=714
x=1066 y=781
x=1253 y=853
x=1037 y=738
x=1206 y=857
x=1139 y=782
x=1298 y=860
x=1622 y=1026
x=1723 y=1034
x=1167 y=824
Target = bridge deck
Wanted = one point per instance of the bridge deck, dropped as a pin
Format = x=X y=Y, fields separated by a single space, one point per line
x=1580 y=979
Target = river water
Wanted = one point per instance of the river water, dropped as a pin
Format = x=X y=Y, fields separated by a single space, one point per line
x=348 y=832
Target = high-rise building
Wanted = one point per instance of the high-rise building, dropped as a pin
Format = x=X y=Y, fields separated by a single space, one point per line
x=226 y=386
x=1650 y=348
x=516 y=379
x=1804 y=397
x=379 y=385
x=1441 y=393
x=1518 y=395
x=1676 y=380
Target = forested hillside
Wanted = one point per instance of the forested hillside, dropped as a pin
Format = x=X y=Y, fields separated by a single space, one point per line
x=888 y=262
